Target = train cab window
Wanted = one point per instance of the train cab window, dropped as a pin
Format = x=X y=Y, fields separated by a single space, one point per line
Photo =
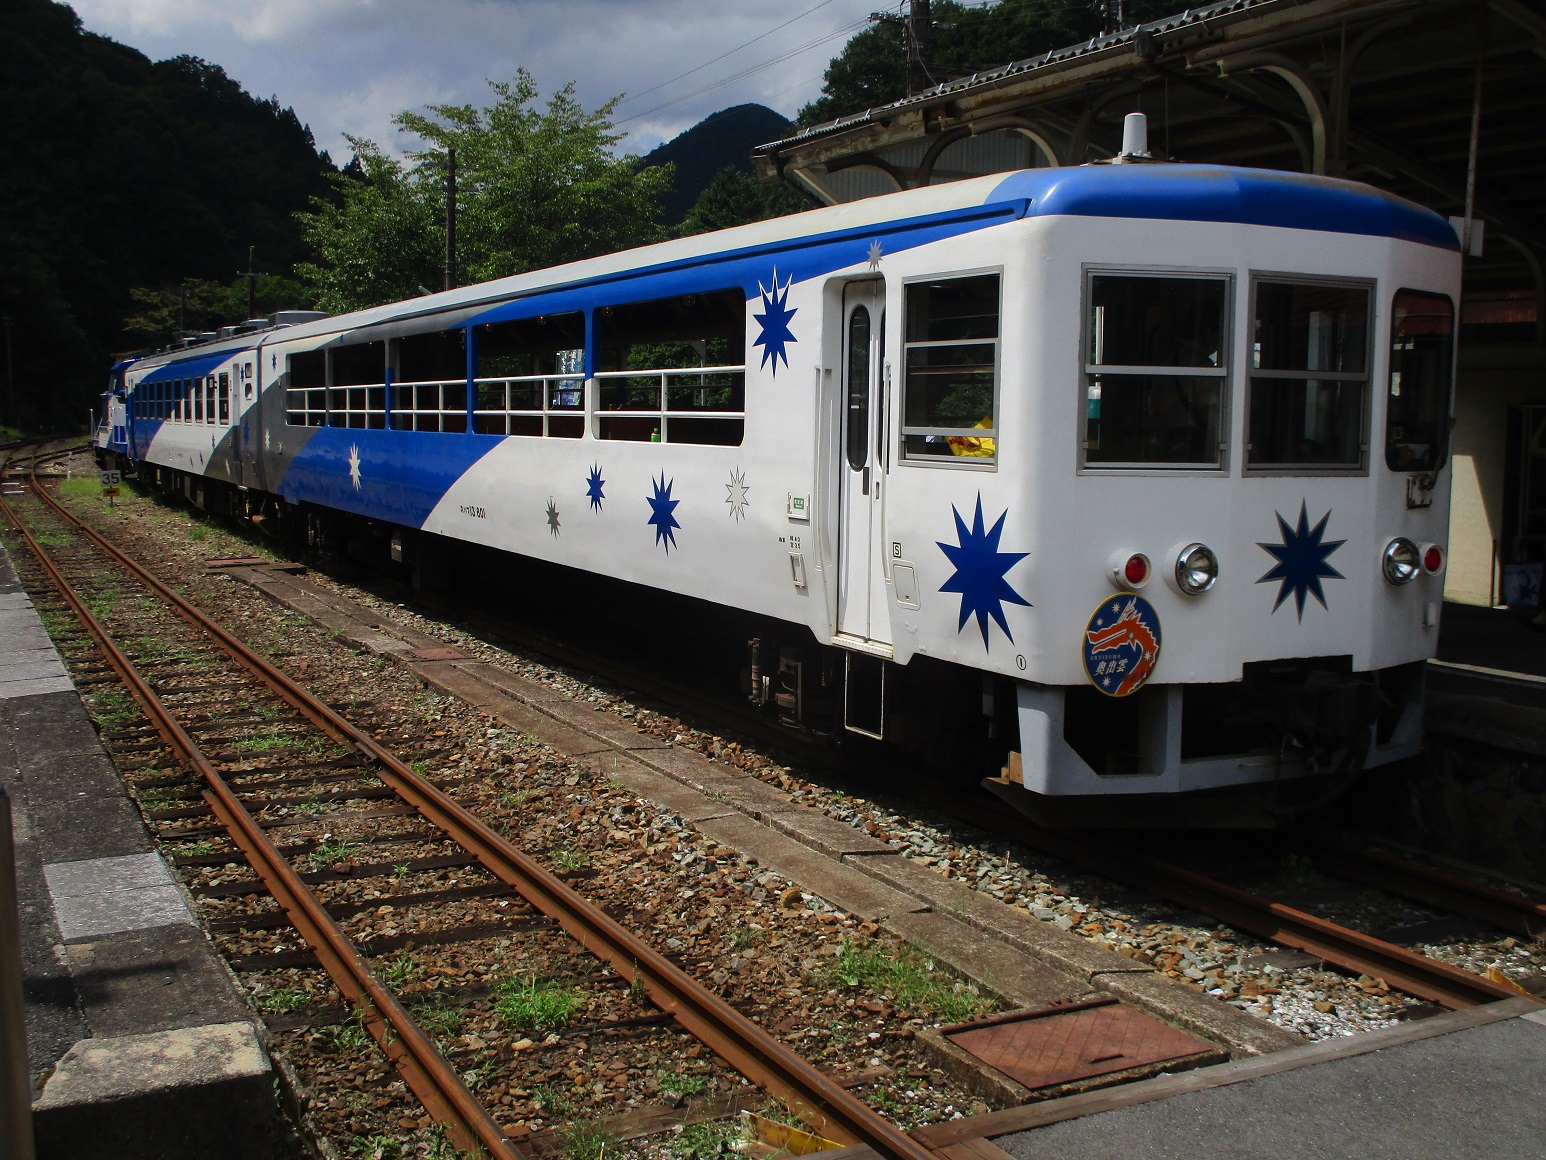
x=673 y=370
x=950 y=392
x=429 y=382
x=1309 y=377
x=530 y=377
x=1422 y=329
x=1156 y=370
x=306 y=389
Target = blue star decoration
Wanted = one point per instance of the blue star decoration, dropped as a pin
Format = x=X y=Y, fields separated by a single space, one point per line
x=593 y=485
x=1301 y=560
x=979 y=572
x=661 y=507
x=774 y=320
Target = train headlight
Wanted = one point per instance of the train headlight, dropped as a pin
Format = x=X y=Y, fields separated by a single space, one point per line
x=1433 y=559
x=1197 y=567
x=1401 y=562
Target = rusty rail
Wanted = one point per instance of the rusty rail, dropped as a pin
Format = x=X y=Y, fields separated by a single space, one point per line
x=1499 y=908
x=416 y=1057
x=1339 y=945
x=829 y=1109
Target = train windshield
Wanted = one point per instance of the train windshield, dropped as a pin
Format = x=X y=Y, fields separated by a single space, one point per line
x=1421 y=354
x=1309 y=375
x=1156 y=369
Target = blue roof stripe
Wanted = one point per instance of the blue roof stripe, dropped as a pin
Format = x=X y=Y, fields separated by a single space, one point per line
x=800 y=257
x=1217 y=193
x=190 y=368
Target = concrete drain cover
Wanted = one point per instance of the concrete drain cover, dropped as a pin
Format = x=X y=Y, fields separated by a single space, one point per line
x=1062 y=1044
x=437 y=654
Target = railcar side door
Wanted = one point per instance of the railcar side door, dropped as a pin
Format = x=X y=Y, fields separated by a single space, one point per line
x=861 y=598
x=249 y=423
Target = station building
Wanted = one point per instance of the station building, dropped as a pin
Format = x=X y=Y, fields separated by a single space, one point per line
x=1439 y=101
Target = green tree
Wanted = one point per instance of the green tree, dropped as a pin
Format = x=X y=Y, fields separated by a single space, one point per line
x=381 y=240
x=161 y=314
x=735 y=198
x=536 y=186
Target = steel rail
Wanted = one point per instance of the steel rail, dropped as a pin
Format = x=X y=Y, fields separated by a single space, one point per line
x=1341 y=946
x=829 y=1109
x=418 y=1060
x=1511 y=912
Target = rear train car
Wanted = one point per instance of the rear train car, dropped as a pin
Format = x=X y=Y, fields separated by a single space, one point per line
x=1143 y=465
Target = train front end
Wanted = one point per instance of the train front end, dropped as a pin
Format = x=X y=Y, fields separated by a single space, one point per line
x=1212 y=551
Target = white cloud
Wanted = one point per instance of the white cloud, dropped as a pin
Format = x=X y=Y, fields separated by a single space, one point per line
x=346 y=66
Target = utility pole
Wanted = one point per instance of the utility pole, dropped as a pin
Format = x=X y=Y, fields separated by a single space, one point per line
x=450 y=219
x=919 y=24
x=10 y=375
x=1112 y=17
x=252 y=277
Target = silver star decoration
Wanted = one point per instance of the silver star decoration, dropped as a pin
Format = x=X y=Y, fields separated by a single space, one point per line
x=875 y=254
x=354 y=465
x=552 y=516
x=737 y=490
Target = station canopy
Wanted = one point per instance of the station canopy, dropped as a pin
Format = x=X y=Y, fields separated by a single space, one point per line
x=1389 y=92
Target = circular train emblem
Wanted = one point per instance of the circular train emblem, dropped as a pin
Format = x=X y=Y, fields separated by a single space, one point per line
x=1121 y=644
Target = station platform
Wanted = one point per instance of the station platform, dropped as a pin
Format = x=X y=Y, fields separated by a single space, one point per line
x=139 y=1043
x=1464 y=1085
x=1502 y=640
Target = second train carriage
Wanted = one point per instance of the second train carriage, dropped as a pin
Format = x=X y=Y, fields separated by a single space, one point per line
x=1151 y=456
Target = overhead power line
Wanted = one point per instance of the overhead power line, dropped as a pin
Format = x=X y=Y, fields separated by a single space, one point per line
x=721 y=56
x=794 y=52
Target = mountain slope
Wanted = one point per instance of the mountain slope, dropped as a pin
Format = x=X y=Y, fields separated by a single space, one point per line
x=723 y=139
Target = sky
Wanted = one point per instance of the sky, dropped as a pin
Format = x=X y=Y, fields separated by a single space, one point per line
x=347 y=66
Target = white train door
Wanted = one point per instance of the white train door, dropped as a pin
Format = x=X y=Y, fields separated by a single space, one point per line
x=861 y=595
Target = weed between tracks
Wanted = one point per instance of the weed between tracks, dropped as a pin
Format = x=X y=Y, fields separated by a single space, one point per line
x=911 y=979
x=535 y=1006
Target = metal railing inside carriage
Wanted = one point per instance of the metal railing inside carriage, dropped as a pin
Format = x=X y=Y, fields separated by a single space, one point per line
x=702 y=405
x=672 y=405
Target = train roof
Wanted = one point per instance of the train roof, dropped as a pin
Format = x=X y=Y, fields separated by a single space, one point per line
x=1154 y=190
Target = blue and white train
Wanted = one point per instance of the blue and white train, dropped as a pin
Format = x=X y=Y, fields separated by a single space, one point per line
x=1150 y=459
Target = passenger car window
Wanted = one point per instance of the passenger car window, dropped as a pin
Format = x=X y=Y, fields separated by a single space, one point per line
x=1309 y=376
x=950 y=393
x=1422 y=328
x=673 y=370
x=1155 y=370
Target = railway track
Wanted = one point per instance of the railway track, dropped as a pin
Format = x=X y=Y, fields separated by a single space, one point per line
x=1338 y=945
x=253 y=738
x=1287 y=926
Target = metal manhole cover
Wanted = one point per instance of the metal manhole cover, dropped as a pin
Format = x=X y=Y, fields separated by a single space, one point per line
x=1061 y=1044
x=436 y=654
